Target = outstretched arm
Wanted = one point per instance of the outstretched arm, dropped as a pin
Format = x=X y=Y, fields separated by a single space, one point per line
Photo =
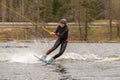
x=55 y=33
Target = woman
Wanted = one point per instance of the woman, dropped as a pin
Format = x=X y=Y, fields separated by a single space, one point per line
x=62 y=34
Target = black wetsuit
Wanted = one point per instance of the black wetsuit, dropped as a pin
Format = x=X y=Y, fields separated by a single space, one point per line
x=62 y=40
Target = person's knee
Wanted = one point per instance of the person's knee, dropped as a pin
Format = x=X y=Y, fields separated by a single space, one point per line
x=60 y=53
x=54 y=47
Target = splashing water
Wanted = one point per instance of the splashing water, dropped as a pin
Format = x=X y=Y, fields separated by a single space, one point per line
x=23 y=52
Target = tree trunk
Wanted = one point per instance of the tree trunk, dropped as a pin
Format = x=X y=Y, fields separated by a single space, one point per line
x=4 y=11
x=79 y=22
x=118 y=28
x=80 y=29
x=23 y=7
x=106 y=8
x=110 y=19
x=86 y=25
x=45 y=6
x=10 y=14
x=118 y=32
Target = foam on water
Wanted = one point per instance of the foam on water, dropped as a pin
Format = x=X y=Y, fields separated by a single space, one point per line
x=30 y=58
x=24 y=52
x=76 y=56
x=23 y=58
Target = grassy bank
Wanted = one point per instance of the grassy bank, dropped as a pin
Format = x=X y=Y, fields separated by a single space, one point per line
x=95 y=34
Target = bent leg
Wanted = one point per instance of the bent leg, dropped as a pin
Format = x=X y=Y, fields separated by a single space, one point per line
x=57 y=43
x=62 y=49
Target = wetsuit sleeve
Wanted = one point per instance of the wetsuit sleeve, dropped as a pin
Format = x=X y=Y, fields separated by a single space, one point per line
x=56 y=32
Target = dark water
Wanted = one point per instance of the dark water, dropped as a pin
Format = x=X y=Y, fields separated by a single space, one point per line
x=81 y=61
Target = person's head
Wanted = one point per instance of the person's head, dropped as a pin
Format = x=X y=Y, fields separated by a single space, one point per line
x=63 y=22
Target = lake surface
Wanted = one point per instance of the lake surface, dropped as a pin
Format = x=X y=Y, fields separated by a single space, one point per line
x=81 y=61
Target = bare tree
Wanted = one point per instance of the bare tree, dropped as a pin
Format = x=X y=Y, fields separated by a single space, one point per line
x=9 y=13
x=77 y=13
x=22 y=7
x=110 y=17
x=86 y=24
x=3 y=12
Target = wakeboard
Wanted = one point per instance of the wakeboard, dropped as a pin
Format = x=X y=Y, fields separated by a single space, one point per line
x=45 y=61
x=40 y=59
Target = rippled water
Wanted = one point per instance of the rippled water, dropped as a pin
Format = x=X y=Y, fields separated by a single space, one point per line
x=81 y=61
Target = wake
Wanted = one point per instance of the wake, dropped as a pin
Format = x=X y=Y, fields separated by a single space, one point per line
x=30 y=58
x=24 y=52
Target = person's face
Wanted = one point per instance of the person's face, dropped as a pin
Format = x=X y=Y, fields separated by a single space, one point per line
x=62 y=25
